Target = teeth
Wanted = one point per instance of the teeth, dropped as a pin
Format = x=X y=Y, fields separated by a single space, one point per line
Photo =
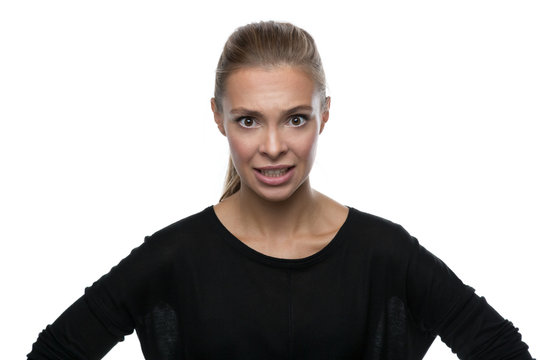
x=274 y=173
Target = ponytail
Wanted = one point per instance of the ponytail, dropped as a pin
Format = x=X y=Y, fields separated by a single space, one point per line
x=232 y=181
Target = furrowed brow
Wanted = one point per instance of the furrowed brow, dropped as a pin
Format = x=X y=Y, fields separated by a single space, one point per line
x=246 y=112
x=297 y=109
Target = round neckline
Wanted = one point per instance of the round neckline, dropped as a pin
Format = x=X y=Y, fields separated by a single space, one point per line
x=275 y=261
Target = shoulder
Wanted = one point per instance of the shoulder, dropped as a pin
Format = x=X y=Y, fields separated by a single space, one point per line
x=180 y=237
x=379 y=234
x=148 y=269
x=375 y=226
x=194 y=224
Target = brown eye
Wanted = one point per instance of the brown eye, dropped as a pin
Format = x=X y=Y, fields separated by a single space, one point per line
x=246 y=122
x=297 y=120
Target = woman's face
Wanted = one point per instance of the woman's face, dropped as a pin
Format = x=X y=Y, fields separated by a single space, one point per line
x=272 y=119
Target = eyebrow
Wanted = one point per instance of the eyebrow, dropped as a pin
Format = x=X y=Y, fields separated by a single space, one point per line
x=254 y=113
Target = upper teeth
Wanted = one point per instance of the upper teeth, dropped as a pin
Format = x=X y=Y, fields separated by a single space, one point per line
x=276 y=172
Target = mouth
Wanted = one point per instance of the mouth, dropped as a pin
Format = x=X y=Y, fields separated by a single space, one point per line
x=276 y=172
x=274 y=175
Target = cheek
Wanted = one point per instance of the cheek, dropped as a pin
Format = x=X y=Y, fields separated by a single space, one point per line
x=240 y=149
x=307 y=146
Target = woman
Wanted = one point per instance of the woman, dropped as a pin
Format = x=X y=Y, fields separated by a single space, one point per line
x=276 y=269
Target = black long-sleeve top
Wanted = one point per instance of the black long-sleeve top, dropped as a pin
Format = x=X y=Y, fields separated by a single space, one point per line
x=194 y=291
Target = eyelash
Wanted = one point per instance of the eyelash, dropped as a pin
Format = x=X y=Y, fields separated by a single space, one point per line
x=300 y=116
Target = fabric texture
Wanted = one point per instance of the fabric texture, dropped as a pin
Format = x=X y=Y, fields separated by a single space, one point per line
x=194 y=291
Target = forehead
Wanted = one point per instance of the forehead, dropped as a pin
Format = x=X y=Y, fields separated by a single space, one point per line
x=262 y=87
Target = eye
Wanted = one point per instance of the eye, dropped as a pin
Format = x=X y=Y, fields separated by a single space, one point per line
x=297 y=120
x=246 y=121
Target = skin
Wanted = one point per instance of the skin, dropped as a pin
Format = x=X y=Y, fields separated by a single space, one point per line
x=274 y=116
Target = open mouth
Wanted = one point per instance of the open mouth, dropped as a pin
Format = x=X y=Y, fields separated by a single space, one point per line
x=274 y=172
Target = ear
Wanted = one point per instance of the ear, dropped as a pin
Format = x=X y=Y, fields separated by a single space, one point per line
x=325 y=113
x=218 y=116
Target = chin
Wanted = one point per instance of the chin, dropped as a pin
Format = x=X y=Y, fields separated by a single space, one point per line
x=277 y=198
x=276 y=195
x=273 y=195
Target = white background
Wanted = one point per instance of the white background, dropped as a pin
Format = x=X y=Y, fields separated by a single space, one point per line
x=107 y=136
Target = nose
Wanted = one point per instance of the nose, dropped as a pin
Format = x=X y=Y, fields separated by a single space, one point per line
x=273 y=144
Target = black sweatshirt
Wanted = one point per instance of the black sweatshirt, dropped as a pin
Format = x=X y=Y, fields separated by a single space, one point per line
x=194 y=291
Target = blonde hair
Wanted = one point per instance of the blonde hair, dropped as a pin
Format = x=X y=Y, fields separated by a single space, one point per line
x=266 y=44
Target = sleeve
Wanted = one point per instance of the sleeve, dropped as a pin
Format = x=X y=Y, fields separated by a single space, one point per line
x=77 y=334
x=442 y=305
x=105 y=314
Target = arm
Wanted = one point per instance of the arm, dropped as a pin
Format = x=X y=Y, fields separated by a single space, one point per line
x=106 y=313
x=442 y=305
x=76 y=334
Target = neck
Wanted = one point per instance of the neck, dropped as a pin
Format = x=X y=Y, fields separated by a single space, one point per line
x=278 y=219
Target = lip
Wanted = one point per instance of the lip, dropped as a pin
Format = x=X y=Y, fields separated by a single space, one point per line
x=274 y=180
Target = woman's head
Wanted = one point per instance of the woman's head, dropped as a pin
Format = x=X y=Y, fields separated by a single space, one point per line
x=267 y=45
